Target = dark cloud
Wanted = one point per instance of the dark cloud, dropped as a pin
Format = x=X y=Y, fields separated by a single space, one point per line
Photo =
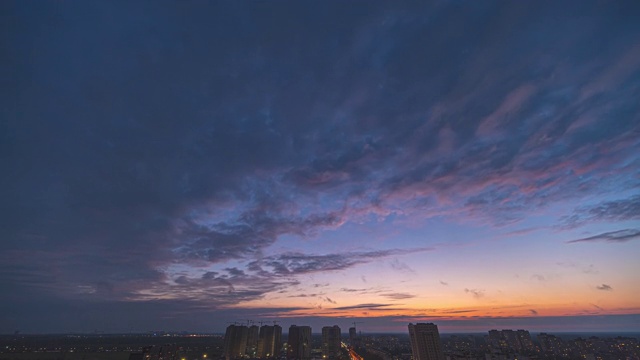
x=444 y=283
x=618 y=236
x=616 y=210
x=253 y=231
x=352 y=290
x=533 y=312
x=364 y=306
x=398 y=296
x=299 y=263
x=329 y=300
x=304 y=295
x=604 y=287
x=463 y=311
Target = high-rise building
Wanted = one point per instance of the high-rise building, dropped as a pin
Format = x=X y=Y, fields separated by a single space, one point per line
x=425 y=342
x=299 y=344
x=495 y=340
x=235 y=341
x=525 y=341
x=353 y=336
x=252 y=341
x=510 y=341
x=331 y=342
x=504 y=341
x=269 y=341
x=551 y=344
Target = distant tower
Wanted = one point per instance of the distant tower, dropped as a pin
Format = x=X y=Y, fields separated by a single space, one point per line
x=235 y=342
x=425 y=342
x=269 y=341
x=353 y=336
x=331 y=341
x=299 y=344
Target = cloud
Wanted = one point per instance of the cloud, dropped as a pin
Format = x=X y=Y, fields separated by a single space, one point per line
x=398 y=296
x=327 y=299
x=299 y=263
x=303 y=295
x=352 y=290
x=604 y=287
x=373 y=306
x=463 y=311
x=544 y=278
x=402 y=267
x=618 y=236
x=444 y=283
x=533 y=312
x=585 y=269
x=615 y=210
x=477 y=293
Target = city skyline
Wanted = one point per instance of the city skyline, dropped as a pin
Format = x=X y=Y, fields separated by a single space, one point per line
x=186 y=165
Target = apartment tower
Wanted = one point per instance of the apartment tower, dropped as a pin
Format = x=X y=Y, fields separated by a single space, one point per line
x=425 y=342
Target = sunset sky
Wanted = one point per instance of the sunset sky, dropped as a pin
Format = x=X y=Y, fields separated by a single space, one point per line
x=180 y=165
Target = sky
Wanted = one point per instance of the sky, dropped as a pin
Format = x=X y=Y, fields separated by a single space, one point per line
x=182 y=165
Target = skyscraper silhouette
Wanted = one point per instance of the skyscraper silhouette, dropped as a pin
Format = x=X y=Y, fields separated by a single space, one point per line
x=235 y=341
x=331 y=339
x=299 y=344
x=252 y=341
x=269 y=341
x=425 y=342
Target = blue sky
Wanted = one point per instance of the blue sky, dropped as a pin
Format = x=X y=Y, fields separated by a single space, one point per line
x=179 y=165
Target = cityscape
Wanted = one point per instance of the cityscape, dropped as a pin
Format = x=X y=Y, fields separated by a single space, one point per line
x=422 y=341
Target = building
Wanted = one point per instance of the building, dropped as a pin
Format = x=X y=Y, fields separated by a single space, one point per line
x=509 y=341
x=551 y=344
x=526 y=343
x=299 y=344
x=331 y=342
x=425 y=342
x=162 y=352
x=235 y=342
x=353 y=336
x=269 y=341
x=252 y=341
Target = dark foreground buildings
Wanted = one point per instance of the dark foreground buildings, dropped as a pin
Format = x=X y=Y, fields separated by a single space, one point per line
x=250 y=342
